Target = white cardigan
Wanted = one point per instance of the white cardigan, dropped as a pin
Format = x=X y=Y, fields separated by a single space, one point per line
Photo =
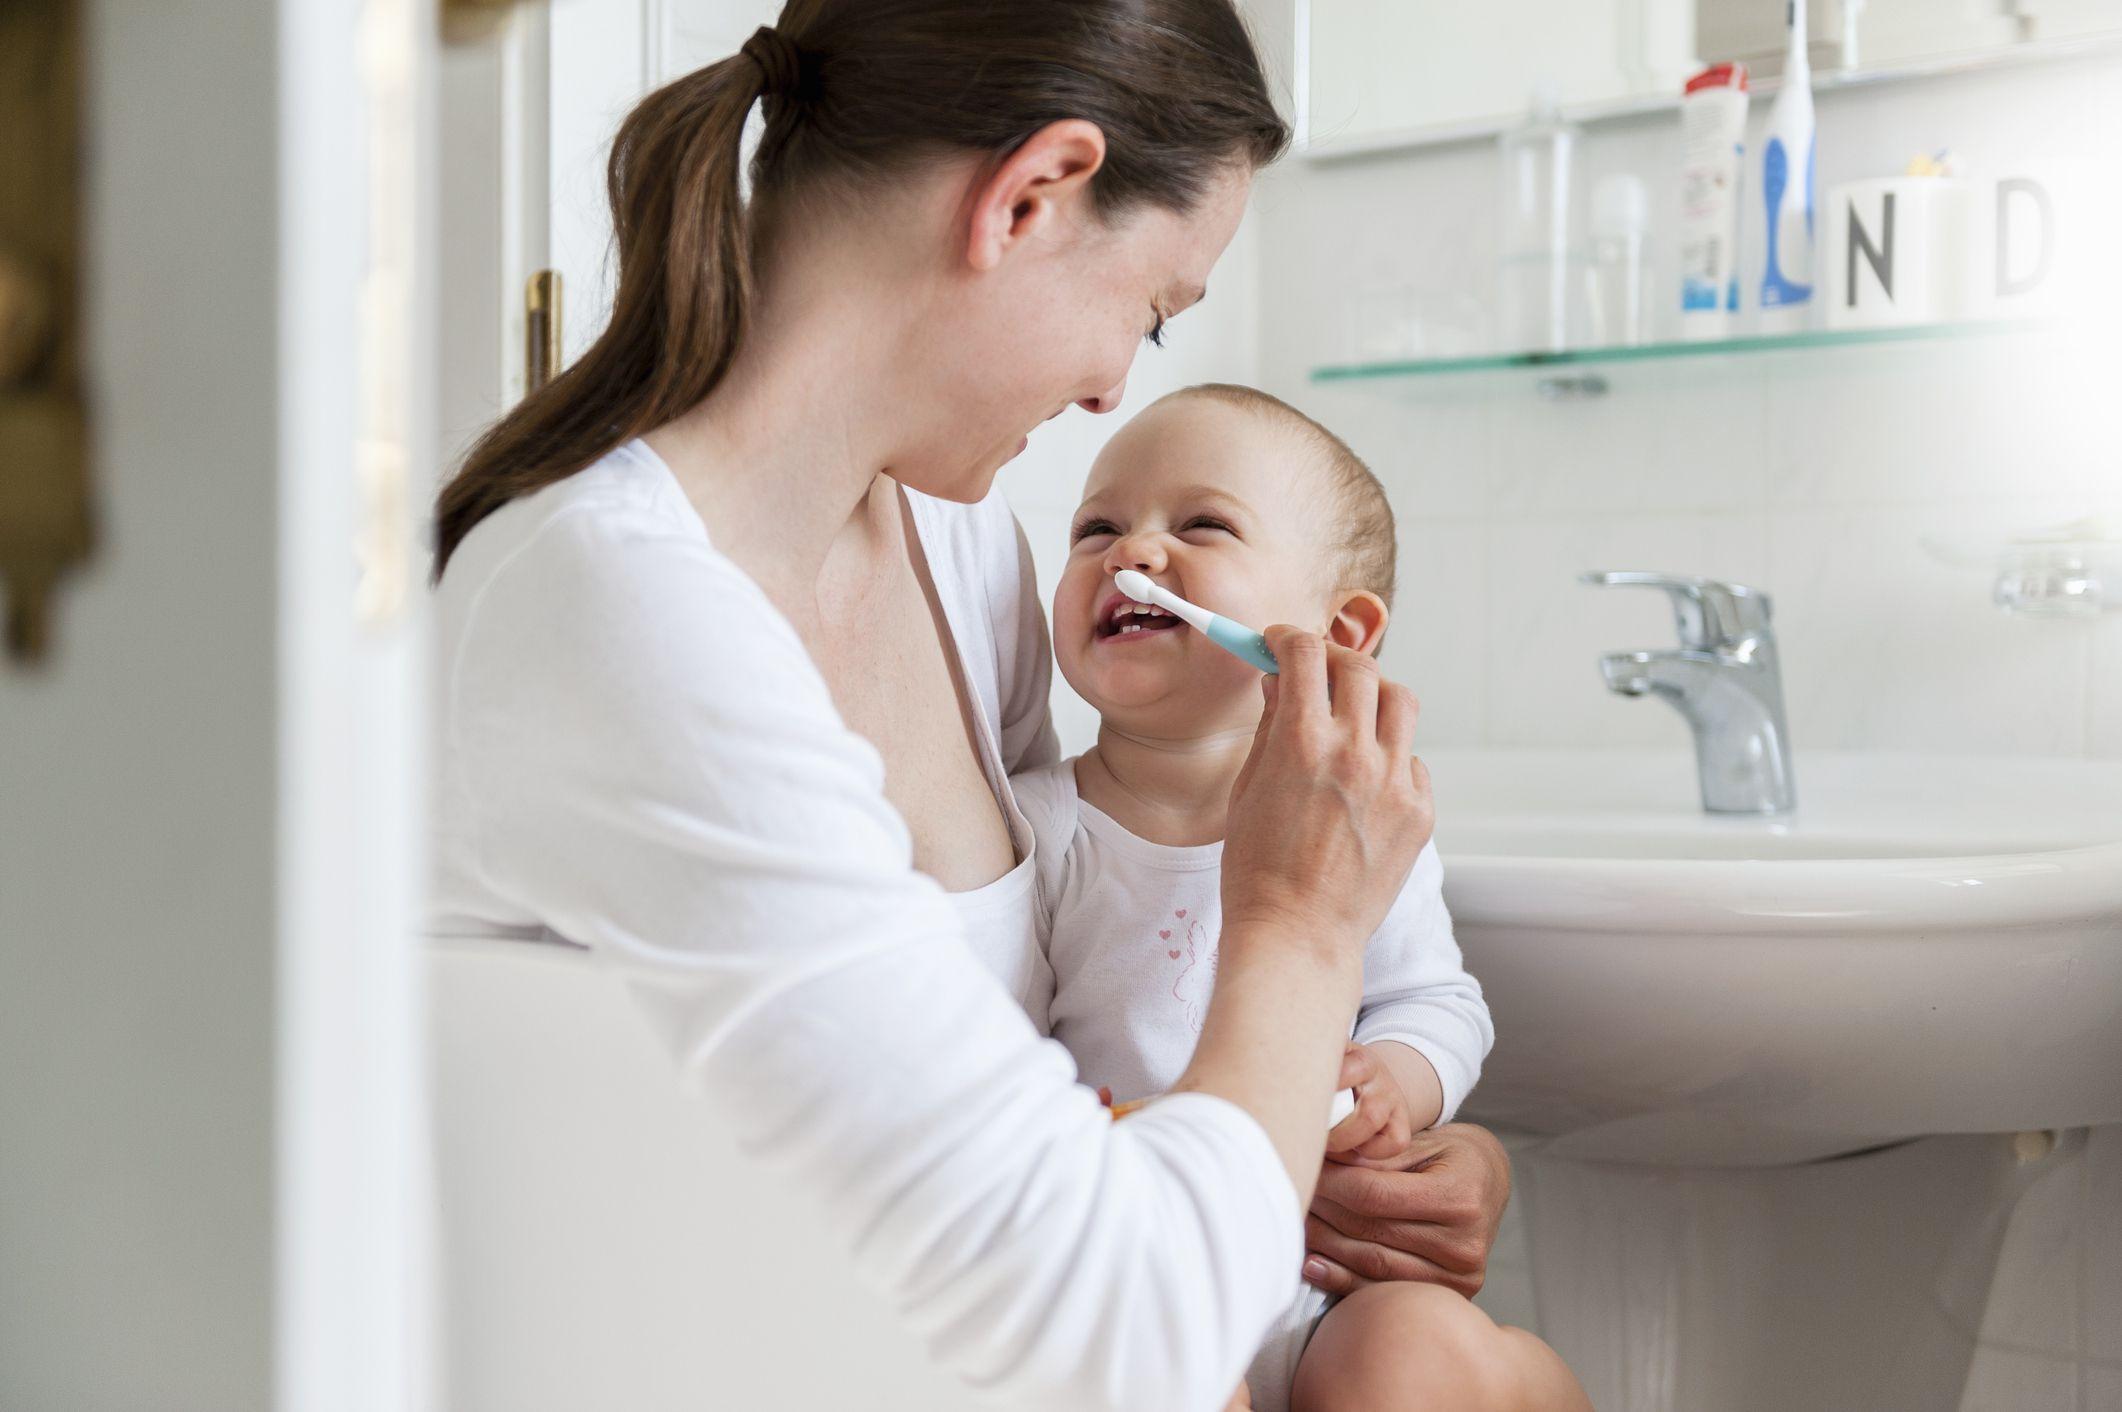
x=637 y=755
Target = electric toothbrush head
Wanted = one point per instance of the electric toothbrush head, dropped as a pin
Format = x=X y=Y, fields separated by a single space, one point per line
x=1135 y=584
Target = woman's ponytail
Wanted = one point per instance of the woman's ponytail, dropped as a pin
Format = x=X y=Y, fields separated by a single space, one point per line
x=678 y=315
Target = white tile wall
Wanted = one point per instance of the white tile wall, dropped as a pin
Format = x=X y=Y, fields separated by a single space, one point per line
x=2102 y=1388
x=2003 y=1380
x=1872 y=454
x=2036 y=1294
x=2100 y=1236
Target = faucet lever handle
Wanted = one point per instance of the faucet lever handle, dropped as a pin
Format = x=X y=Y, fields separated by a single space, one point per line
x=1710 y=613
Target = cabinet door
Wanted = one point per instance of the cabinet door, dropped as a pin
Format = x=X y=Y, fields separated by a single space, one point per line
x=1377 y=67
x=2067 y=19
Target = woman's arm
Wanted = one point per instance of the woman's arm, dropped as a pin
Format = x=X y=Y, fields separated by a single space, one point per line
x=1327 y=817
x=656 y=771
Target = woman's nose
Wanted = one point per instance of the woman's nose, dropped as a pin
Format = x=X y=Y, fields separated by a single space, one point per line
x=1105 y=401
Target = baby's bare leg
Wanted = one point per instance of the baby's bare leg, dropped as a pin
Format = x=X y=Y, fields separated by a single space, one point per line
x=1423 y=1348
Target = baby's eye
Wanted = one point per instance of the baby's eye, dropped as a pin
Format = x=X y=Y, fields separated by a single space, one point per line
x=1207 y=522
x=1087 y=528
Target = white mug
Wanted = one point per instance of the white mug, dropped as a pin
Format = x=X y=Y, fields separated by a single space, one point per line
x=2032 y=242
x=1897 y=251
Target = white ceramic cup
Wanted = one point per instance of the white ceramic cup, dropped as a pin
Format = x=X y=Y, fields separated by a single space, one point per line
x=1897 y=251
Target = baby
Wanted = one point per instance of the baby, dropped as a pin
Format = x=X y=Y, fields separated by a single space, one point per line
x=1235 y=500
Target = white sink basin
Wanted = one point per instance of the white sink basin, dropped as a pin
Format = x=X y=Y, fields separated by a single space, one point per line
x=1928 y=945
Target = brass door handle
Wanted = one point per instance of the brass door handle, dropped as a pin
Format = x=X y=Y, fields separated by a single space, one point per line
x=25 y=318
x=541 y=329
x=46 y=526
x=470 y=21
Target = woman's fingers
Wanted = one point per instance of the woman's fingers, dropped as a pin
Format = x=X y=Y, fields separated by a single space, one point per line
x=1340 y=1264
x=1260 y=734
x=1328 y=1276
x=1425 y=802
x=1398 y=711
x=1323 y=823
x=1354 y=677
x=1300 y=688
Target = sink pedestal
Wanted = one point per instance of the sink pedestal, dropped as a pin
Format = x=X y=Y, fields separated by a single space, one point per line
x=1853 y=1283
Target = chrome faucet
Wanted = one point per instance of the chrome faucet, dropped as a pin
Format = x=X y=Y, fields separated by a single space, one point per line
x=1724 y=679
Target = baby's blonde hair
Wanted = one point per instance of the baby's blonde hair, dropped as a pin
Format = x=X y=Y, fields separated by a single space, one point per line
x=1368 y=549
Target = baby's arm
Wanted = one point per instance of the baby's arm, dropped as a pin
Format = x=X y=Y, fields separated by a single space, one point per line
x=1423 y=1019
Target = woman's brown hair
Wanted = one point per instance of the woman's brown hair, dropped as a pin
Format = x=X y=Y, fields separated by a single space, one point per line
x=857 y=90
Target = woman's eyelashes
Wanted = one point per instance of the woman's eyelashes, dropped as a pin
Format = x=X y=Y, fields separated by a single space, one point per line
x=1156 y=328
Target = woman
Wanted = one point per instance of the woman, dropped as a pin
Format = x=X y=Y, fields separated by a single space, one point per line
x=739 y=649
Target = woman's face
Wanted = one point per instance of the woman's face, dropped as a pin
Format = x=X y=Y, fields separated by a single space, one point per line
x=1057 y=322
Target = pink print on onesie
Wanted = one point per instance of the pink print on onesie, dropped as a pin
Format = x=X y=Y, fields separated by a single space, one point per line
x=1195 y=955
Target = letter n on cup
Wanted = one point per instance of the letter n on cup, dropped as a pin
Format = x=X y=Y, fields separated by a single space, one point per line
x=1895 y=251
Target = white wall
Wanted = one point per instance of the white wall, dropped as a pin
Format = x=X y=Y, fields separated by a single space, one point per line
x=137 y=781
x=1811 y=475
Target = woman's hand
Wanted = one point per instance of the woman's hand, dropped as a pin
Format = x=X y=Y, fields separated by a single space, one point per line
x=1325 y=821
x=1431 y=1219
x=1331 y=808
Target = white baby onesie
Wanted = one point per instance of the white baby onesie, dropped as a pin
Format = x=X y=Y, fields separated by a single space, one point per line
x=1130 y=928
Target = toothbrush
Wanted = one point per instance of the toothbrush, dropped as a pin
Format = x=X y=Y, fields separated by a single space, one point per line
x=1235 y=638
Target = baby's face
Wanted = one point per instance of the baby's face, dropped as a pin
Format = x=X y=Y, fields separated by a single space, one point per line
x=1220 y=506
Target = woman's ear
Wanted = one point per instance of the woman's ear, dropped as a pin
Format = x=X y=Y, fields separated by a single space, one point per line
x=1033 y=189
x=1359 y=621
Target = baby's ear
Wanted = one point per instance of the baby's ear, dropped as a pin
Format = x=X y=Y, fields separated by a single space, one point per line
x=1359 y=620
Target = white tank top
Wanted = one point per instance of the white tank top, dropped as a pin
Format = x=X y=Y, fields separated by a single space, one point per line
x=983 y=577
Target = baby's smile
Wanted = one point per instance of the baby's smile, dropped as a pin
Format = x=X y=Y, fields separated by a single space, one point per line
x=1121 y=619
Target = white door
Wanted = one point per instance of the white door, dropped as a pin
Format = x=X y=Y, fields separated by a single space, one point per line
x=528 y=114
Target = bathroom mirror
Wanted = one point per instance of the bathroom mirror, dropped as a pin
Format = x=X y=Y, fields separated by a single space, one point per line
x=1379 y=74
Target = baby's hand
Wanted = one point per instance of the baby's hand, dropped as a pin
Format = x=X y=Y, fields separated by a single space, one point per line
x=1381 y=1126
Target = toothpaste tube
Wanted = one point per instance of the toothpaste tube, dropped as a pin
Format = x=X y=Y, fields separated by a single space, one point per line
x=1713 y=159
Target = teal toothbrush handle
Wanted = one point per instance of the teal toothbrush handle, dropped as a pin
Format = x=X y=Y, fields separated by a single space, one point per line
x=1242 y=642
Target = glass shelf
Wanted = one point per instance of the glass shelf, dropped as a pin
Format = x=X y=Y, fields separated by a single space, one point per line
x=1656 y=352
